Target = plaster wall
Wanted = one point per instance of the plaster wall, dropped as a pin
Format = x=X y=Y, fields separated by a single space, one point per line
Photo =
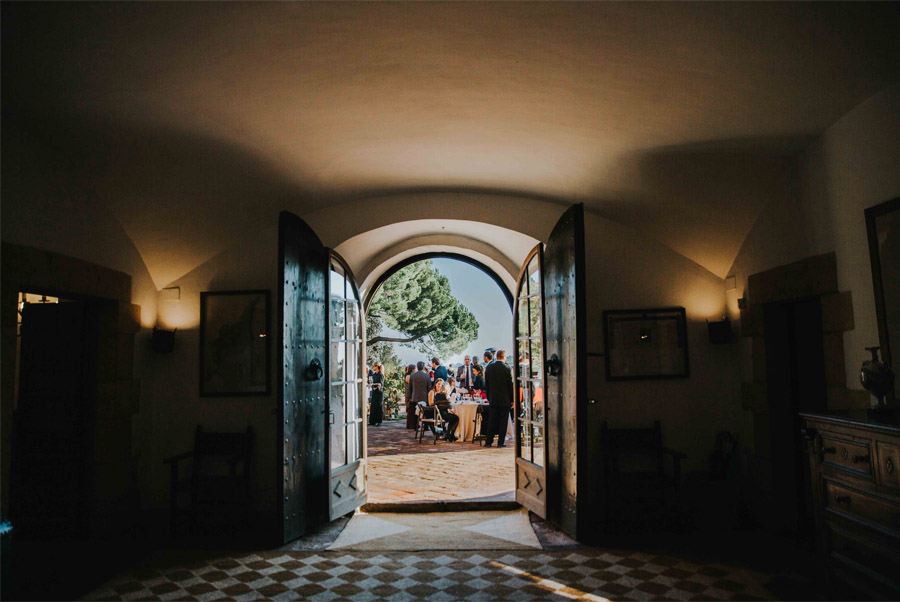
x=46 y=206
x=854 y=165
x=173 y=406
x=627 y=271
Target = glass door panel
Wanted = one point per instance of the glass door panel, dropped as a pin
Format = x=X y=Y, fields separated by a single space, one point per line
x=348 y=430
x=529 y=332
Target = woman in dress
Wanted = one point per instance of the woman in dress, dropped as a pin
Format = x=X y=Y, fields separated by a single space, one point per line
x=376 y=406
x=411 y=422
x=437 y=399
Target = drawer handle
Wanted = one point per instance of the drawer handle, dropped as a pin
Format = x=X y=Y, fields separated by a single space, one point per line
x=889 y=465
x=842 y=499
x=861 y=459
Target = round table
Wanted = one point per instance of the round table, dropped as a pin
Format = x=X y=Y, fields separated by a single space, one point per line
x=466 y=410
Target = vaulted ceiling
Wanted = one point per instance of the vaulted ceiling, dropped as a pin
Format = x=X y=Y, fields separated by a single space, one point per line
x=197 y=120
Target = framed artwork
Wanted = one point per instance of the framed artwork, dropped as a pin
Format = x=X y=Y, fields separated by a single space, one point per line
x=646 y=343
x=234 y=343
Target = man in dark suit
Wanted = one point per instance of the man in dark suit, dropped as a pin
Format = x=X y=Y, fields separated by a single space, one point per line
x=440 y=371
x=419 y=385
x=465 y=376
x=498 y=385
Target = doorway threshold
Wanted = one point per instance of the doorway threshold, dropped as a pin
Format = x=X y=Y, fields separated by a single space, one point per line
x=497 y=502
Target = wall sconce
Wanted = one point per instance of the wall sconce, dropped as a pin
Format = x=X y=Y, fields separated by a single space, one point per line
x=720 y=332
x=163 y=341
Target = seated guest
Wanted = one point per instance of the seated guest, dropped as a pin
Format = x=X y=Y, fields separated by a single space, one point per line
x=437 y=398
x=454 y=391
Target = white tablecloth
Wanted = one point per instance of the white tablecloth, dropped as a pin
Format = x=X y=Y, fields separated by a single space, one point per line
x=466 y=411
x=466 y=430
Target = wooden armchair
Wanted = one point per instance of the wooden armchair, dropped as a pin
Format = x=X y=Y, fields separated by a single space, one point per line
x=634 y=468
x=217 y=485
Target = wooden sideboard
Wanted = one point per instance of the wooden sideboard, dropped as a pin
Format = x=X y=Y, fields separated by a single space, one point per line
x=854 y=464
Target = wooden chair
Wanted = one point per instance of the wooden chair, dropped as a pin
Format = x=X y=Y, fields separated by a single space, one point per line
x=217 y=484
x=436 y=421
x=634 y=469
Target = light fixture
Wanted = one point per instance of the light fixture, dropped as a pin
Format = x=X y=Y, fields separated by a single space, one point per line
x=163 y=341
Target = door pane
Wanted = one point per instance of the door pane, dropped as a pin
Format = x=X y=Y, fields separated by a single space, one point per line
x=537 y=400
x=338 y=361
x=522 y=319
x=337 y=283
x=338 y=443
x=337 y=319
x=525 y=441
x=534 y=276
x=353 y=430
x=354 y=407
x=525 y=399
x=524 y=367
x=353 y=320
x=351 y=371
x=537 y=440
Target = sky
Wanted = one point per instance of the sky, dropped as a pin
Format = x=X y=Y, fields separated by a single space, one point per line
x=478 y=292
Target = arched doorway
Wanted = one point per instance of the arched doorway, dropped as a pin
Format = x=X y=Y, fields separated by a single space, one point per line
x=447 y=466
x=309 y=492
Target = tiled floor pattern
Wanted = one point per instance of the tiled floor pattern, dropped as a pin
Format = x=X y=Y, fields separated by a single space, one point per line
x=583 y=573
x=490 y=530
x=402 y=470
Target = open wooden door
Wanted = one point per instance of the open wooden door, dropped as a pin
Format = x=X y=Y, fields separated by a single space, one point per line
x=346 y=416
x=303 y=393
x=531 y=435
x=321 y=471
x=565 y=362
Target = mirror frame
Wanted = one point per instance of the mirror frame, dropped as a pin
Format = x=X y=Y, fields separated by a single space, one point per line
x=872 y=215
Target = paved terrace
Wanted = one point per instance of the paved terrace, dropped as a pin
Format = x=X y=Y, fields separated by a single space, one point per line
x=403 y=470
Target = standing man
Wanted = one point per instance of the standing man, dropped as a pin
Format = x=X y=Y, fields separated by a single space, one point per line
x=440 y=372
x=498 y=384
x=419 y=384
x=465 y=376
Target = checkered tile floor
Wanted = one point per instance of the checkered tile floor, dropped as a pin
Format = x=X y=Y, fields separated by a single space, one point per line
x=580 y=573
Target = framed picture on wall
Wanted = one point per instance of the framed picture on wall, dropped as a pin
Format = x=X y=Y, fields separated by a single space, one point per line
x=646 y=343
x=235 y=353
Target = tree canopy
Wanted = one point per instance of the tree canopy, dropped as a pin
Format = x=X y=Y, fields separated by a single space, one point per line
x=416 y=302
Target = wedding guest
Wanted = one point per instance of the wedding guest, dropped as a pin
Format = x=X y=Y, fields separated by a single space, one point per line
x=376 y=401
x=488 y=358
x=408 y=401
x=419 y=384
x=440 y=371
x=437 y=398
x=499 y=387
x=464 y=374
x=454 y=391
x=478 y=379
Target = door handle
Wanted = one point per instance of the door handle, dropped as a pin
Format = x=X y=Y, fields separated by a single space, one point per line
x=554 y=365
x=314 y=371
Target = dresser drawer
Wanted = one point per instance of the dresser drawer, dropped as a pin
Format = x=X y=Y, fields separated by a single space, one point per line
x=850 y=455
x=856 y=504
x=888 y=467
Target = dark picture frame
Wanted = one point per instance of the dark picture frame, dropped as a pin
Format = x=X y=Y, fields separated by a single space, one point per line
x=235 y=352
x=646 y=344
x=883 y=230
